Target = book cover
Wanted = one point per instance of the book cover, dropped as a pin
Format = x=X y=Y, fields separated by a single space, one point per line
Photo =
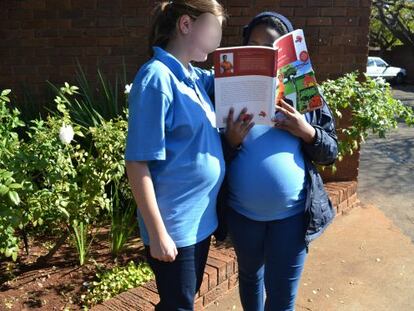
x=257 y=77
x=295 y=76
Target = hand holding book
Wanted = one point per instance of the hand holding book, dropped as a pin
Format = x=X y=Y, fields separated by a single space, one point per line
x=294 y=122
x=237 y=130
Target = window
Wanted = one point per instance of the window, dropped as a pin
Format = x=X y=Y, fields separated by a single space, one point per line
x=380 y=63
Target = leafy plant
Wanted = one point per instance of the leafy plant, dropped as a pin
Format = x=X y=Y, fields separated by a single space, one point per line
x=109 y=147
x=10 y=213
x=82 y=240
x=67 y=187
x=57 y=180
x=9 y=123
x=94 y=105
x=373 y=108
x=10 y=216
x=116 y=281
x=123 y=221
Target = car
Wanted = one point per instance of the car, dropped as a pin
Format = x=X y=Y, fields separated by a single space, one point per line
x=377 y=67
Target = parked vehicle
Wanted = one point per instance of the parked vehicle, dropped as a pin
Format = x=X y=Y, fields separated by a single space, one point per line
x=377 y=67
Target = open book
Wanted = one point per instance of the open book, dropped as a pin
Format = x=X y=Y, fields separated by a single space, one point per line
x=256 y=77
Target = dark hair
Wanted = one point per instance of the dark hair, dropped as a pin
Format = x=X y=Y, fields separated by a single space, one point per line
x=167 y=13
x=271 y=19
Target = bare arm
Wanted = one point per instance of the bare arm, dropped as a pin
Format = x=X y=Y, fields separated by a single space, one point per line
x=161 y=245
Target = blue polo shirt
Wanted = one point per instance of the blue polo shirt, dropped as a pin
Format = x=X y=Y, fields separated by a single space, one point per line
x=172 y=126
x=267 y=179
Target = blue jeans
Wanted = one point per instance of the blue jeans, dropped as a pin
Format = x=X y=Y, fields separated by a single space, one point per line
x=270 y=255
x=179 y=281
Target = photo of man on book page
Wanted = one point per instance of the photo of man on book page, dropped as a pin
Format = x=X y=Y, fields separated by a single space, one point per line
x=226 y=65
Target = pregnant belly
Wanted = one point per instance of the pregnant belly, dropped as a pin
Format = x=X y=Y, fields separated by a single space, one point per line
x=266 y=183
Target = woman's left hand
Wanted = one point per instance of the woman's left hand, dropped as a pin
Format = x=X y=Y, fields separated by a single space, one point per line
x=294 y=122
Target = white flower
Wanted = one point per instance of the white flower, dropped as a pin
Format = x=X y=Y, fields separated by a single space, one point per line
x=66 y=134
x=128 y=88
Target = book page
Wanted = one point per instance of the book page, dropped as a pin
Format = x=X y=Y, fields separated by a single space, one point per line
x=253 y=92
x=245 y=78
x=295 y=76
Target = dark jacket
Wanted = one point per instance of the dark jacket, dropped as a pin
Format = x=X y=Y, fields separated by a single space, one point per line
x=323 y=151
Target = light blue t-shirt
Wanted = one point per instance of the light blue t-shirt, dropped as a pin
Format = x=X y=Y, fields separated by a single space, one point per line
x=267 y=179
x=172 y=125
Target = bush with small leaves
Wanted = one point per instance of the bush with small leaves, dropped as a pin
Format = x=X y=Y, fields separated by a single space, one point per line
x=373 y=107
x=116 y=281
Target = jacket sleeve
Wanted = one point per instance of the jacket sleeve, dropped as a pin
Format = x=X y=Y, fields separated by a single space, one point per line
x=324 y=150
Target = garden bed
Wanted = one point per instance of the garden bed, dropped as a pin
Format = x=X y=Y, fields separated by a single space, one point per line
x=58 y=283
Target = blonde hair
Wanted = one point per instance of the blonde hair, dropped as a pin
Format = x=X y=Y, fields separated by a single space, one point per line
x=167 y=13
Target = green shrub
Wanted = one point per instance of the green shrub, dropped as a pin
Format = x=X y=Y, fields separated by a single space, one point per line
x=10 y=188
x=61 y=174
x=115 y=281
x=373 y=108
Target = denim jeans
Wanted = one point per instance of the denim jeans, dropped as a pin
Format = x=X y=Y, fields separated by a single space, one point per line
x=180 y=280
x=271 y=256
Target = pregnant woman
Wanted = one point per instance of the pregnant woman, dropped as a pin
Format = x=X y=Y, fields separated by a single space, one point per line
x=276 y=197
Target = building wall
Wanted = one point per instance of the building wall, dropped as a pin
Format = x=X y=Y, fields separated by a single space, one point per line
x=42 y=39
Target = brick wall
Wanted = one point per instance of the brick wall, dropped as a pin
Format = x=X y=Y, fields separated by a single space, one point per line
x=41 y=39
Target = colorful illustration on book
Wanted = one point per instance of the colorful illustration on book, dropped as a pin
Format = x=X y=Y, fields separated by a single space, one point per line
x=296 y=78
x=226 y=63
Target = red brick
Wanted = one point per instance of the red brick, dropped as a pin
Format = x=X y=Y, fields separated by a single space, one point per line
x=366 y=3
x=234 y=11
x=204 y=286
x=99 y=308
x=117 y=304
x=333 y=12
x=215 y=293
x=320 y=3
x=342 y=207
x=151 y=285
x=220 y=266
x=238 y=20
x=292 y=3
x=346 y=21
x=240 y=3
x=307 y=12
x=212 y=276
x=135 y=302
x=322 y=21
x=236 y=267
x=146 y=294
x=199 y=304
x=346 y=3
x=234 y=281
x=228 y=260
x=334 y=198
x=38 y=4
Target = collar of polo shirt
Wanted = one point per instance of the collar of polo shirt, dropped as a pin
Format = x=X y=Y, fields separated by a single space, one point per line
x=188 y=76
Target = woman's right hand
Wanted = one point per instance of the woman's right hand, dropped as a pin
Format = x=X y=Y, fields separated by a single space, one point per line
x=237 y=130
x=163 y=248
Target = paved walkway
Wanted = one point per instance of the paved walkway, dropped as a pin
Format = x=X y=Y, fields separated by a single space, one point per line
x=363 y=262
